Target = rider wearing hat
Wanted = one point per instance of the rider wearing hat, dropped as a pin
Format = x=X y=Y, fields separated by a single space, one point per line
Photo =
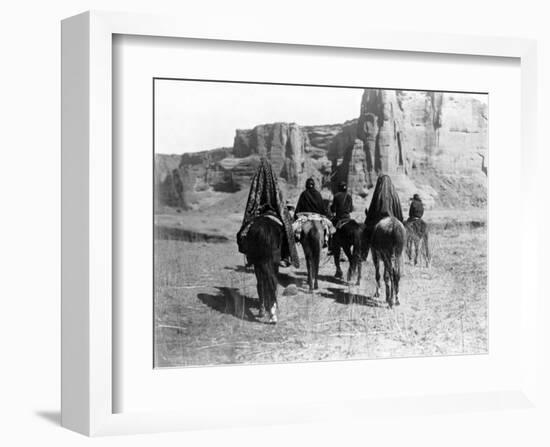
x=310 y=200
x=416 y=209
x=342 y=204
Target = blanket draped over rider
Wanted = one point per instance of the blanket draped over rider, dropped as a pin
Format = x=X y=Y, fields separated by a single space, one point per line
x=385 y=202
x=265 y=198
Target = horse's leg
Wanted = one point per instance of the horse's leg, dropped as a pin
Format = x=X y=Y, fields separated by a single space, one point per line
x=388 y=279
x=409 y=245
x=309 y=266
x=260 y=289
x=375 y=260
x=396 y=270
x=336 y=249
x=351 y=268
x=416 y=244
x=272 y=290
x=318 y=249
x=316 y=261
x=359 y=266
x=427 y=250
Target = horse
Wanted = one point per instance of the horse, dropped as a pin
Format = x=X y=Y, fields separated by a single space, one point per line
x=311 y=238
x=417 y=237
x=264 y=242
x=348 y=237
x=385 y=234
x=386 y=243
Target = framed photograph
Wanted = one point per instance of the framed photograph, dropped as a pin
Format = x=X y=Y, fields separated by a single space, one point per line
x=255 y=223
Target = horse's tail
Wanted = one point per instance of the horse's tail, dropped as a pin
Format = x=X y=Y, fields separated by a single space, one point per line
x=399 y=236
x=426 y=247
x=312 y=241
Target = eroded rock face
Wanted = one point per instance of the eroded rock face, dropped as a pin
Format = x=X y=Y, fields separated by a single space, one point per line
x=284 y=144
x=357 y=168
x=168 y=182
x=429 y=142
x=423 y=135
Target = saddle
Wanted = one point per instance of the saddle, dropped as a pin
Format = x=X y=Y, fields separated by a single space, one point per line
x=241 y=235
x=302 y=218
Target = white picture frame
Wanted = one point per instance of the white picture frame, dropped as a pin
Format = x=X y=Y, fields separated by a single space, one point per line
x=87 y=325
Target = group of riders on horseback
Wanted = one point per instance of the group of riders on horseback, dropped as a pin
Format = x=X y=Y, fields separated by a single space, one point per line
x=269 y=233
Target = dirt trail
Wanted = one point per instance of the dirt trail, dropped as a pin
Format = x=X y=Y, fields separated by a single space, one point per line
x=206 y=308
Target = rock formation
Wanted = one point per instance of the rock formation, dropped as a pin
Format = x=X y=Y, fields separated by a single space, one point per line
x=422 y=139
x=284 y=144
x=168 y=182
x=427 y=141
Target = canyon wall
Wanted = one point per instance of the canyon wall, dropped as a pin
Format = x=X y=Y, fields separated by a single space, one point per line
x=429 y=142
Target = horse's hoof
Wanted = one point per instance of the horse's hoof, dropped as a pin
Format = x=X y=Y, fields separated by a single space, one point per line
x=273 y=320
x=397 y=303
x=316 y=286
x=338 y=275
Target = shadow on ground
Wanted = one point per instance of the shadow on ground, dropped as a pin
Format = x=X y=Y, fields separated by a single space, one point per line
x=284 y=279
x=326 y=278
x=342 y=296
x=230 y=301
x=240 y=269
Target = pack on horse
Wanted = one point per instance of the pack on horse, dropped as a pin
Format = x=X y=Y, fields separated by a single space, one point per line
x=417 y=232
x=385 y=235
x=266 y=236
x=348 y=234
x=312 y=228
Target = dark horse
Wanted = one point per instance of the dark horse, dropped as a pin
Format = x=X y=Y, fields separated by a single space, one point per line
x=264 y=242
x=311 y=238
x=417 y=237
x=385 y=234
x=348 y=237
x=387 y=241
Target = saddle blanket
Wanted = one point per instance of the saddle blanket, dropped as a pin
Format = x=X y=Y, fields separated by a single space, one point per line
x=241 y=235
x=302 y=218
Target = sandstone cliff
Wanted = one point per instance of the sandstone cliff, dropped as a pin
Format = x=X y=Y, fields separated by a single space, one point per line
x=428 y=142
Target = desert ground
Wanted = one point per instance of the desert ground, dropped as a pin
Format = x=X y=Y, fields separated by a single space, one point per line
x=206 y=304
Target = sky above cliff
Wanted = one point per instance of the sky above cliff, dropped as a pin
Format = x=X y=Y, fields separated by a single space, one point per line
x=192 y=116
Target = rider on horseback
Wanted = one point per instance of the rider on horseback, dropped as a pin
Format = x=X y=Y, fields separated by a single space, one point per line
x=416 y=209
x=265 y=199
x=342 y=205
x=311 y=206
x=310 y=200
x=341 y=208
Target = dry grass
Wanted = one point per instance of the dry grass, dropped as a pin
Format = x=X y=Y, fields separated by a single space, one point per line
x=206 y=308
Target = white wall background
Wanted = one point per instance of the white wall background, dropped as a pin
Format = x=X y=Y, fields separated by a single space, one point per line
x=30 y=231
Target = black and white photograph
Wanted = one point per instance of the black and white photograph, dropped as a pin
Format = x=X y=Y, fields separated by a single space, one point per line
x=299 y=223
